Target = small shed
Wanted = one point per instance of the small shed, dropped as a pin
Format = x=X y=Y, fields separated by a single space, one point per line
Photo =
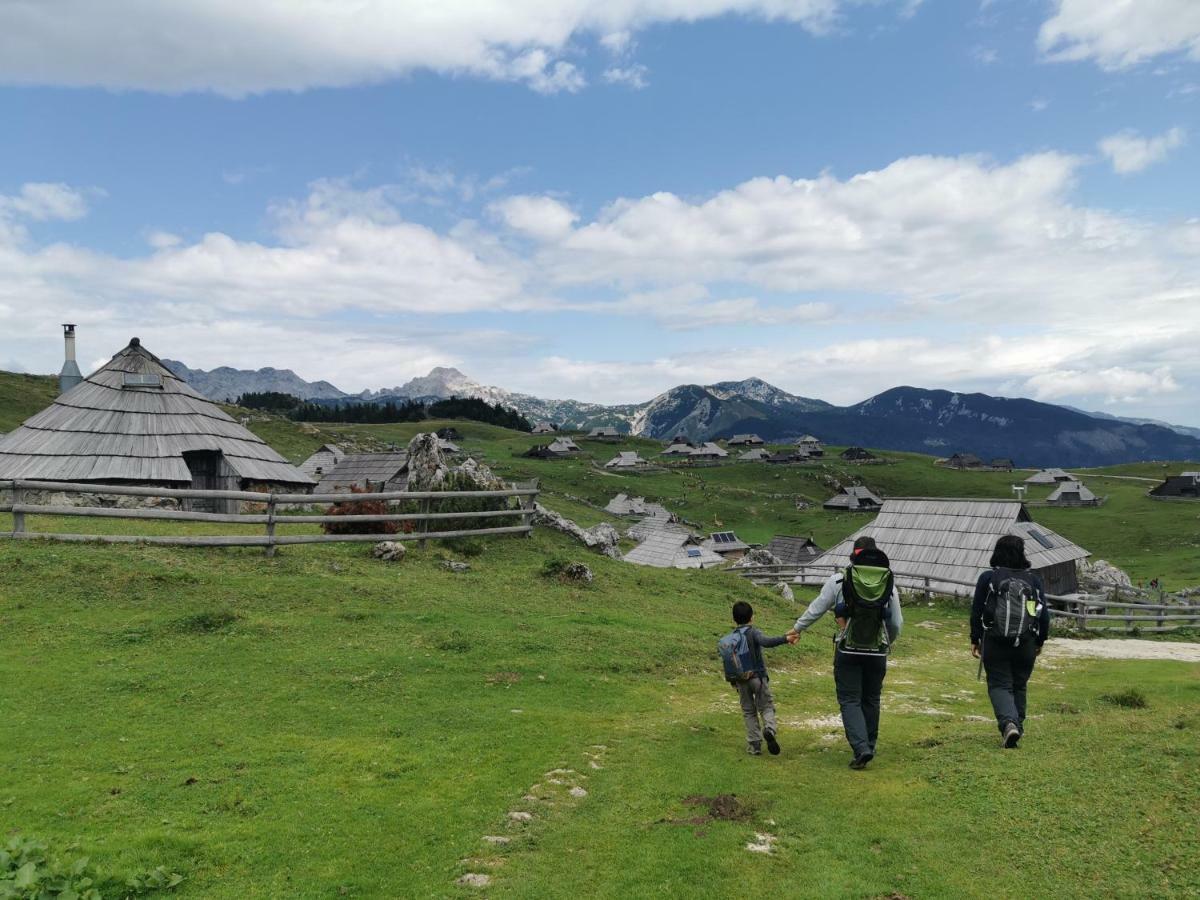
x=367 y=471
x=626 y=459
x=1002 y=464
x=680 y=437
x=1073 y=493
x=1049 y=476
x=544 y=428
x=709 y=450
x=746 y=440
x=323 y=459
x=951 y=540
x=964 y=461
x=756 y=455
x=678 y=449
x=671 y=547
x=794 y=551
x=1185 y=486
x=726 y=544
x=787 y=457
x=564 y=446
x=604 y=433
x=857 y=454
x=855 y=498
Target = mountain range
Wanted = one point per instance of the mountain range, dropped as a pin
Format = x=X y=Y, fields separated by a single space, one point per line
x=903 y=418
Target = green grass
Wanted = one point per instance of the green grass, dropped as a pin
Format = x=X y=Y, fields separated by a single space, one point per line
x=23 y=395
x=323 y=725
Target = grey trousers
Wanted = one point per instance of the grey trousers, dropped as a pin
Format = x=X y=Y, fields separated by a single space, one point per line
x=1008 y=669
x=859 y=681
x=756 y=700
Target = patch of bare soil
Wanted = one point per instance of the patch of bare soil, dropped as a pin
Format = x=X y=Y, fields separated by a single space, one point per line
x=721 y=808
x=1123 y=648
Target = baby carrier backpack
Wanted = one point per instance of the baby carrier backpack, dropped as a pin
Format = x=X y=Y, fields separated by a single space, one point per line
x=736 y=655
x=866 y=595
x=1012 y=608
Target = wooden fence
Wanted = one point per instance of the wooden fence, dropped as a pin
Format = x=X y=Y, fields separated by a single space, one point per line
x=1084 y=609
x=270 y=518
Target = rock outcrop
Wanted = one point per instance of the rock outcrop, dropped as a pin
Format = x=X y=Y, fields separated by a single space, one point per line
x=388 y=551
x=602 y=538
x=757 y=557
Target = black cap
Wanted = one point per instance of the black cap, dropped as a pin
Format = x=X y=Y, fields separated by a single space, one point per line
x=872 y=556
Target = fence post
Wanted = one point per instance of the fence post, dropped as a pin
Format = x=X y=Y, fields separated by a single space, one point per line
x=424 y=507
x=18 y=495
x=926 y=588
x=270 y=548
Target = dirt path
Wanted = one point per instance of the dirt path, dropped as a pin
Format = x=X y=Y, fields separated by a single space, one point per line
x=1124 y=649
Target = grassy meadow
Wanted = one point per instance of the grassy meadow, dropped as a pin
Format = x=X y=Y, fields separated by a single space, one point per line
x=322 y=724
x=325 y=725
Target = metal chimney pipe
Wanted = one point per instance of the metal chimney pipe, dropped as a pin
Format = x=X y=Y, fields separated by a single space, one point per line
x=70 y=374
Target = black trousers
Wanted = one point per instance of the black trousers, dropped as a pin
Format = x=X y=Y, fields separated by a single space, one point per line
x=859 y=681
x=1008 y=669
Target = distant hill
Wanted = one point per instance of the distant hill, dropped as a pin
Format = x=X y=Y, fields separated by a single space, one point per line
x=904 y=418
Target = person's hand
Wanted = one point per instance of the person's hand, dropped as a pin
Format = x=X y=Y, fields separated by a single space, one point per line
x=975 y=650
x=793 y=636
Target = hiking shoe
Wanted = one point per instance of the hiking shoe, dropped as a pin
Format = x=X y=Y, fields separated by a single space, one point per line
x=1012 y=734
x=860 y=761
x=754 y=748
x=772 y=744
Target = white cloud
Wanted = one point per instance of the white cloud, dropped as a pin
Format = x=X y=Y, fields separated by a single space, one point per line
x=1116 y=384
x=1129 y=152
x=43 y=202
x=633 y=76
x=1039 y=104
x=985 y=55
x=543 y=218
x=1117 y=34
x=240 y=48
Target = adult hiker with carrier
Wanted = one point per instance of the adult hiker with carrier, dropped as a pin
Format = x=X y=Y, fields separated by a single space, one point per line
x=1009 y=623
x=866 y=604
x=741 y=654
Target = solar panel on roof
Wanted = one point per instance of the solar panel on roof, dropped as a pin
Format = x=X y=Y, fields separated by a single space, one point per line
x=1041 y=538
x=693 y=552
x=723 y=537
x=140 y=379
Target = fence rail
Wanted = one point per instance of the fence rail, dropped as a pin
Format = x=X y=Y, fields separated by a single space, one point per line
x=271 y=518
x=1082 y=608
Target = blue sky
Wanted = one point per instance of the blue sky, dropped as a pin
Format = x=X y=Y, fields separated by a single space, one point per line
x=603 y=200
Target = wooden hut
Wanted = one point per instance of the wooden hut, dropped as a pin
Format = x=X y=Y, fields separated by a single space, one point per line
x=1049 y=476
x=672 y=547
x=604 y=433
x=1073 y=493
x=367 y=471
x=950 y=541
x=857 y=454
x=758 y=454
x=544 y=428
x=794 y=551
x=965 y=461
x=1002 y=464
x=746 y=440
x=678 y=449
x=726 y=545
x=709 y=450
x=322 y=460
x=1185 y=486
x=787 y=457
x=626 y=459
x=810 y=445
x=134 y=422
x=855 y=498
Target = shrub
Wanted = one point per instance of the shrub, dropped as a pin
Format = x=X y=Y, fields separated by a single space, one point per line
x=361 y=508
x=1130 y=698
x=29 y=872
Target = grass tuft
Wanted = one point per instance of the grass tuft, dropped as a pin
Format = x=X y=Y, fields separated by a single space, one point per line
x=1130 y=698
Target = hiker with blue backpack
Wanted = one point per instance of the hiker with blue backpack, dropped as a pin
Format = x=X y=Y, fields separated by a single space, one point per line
x=1009 y=623
x=866 y=604
x=741 y=654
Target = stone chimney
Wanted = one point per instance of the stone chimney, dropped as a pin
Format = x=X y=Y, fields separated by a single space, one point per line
x=70 y=374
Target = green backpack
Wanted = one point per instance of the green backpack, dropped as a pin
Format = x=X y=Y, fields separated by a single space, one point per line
x=866 y=596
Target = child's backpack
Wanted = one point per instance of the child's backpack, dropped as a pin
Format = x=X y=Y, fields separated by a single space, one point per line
x=1012 y=608
x=866 y=595
x=736 y=656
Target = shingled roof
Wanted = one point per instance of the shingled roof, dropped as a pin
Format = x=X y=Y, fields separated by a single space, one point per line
x=131 y=421
x=372 y=471
x=950 y=540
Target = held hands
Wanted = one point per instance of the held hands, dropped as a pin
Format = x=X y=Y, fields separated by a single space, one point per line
x=792 y=636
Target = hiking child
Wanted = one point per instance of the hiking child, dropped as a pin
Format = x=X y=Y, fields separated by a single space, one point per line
x=866 y=604
x=741 y=652
x=1009 y=623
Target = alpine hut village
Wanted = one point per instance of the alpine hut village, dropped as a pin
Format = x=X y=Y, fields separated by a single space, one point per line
x=600 y=450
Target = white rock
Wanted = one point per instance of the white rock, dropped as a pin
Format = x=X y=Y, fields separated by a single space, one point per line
x=474 y=879
x=578 y=792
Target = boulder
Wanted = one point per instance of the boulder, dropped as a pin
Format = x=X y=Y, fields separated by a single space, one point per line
x=388 y=551
x=785 y=591
x=451 y=565
x=1102 y=574
x=602 y=538
x=481 y=476
x=757 y=557
x=578 y=572
x=427 y=467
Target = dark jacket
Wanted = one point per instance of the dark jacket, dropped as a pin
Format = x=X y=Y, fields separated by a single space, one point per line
x=981 y=591
x=757 y=641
